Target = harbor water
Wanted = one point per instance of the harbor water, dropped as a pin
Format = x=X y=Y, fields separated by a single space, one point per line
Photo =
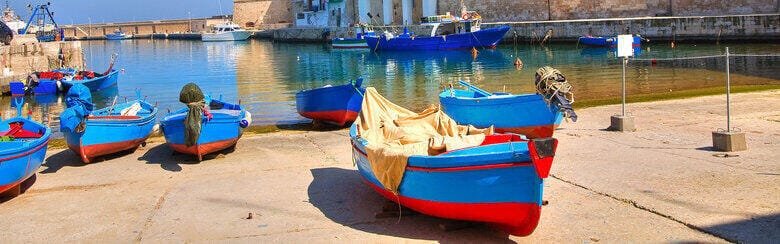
x=264 y=76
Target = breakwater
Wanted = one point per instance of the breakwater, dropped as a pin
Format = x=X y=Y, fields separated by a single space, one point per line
x=757 y=27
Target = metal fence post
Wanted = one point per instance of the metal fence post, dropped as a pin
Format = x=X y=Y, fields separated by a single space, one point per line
x=728 y=92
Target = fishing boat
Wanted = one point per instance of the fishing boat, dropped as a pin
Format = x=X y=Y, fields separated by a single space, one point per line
x=117 y=128
x=600 y=41
x=92 y=80
x=358 y=42
x=496 y=179
x=206 y=126
x=228 y=31
x=338 y=105
x=23 y=145
x=118 y=35
x=532 y=115
x=455 y=33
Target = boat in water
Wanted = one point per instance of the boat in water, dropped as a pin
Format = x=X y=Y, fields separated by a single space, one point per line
x=425 y=162
x=118 y=35
x=92 y=80
x=358 y=42
x=533 y=115
x=12 y=20
x=23 y=144
x=117 y=128
x=611 y=41
x=228 y=31
x=206 y=126
x=449 y=34
x=337 y=105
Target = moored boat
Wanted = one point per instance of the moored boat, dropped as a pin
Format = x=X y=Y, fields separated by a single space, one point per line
x=426 y=163
x=23 y=145
x=358 y=42
x=228 y=31
x=482 y=38
x=120 y=127
x=533 y=115
x=338 y=105
x=612 y=41
x=118 y=35
x=205 y=126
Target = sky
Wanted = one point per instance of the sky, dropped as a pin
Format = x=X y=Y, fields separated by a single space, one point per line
x=106 y=11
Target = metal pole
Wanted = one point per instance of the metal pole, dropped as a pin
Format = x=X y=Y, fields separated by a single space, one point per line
x=728 y=92
x=625 y=60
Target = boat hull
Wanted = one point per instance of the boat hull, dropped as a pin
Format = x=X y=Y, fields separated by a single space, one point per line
x=485 y=38
x=504 y=191
x=525 y=114
x=337 y=105
x=219 y=133
x=118 y=36
x=226 y=36
x=20 y=160
x=349 y=43
x=95 y=84
x=111 y=134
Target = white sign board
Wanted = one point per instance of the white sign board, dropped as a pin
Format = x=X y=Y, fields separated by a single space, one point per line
x=625 y=46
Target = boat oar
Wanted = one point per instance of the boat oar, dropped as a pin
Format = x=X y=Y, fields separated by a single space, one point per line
x=475 y=88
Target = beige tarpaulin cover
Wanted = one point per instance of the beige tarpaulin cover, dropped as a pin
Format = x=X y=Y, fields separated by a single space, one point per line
x=395 y=133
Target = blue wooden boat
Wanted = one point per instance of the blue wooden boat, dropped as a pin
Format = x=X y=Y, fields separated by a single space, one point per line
x=359 y=41
x=217 y=133
x=93 y=81
x=499 y=182
x=338 y=105
x=120 y=127
x=469 y=38
x=600 y=41
x=22 y=150
x=118 y=35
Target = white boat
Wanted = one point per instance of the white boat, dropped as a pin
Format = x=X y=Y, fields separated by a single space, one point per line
x=12 y=20
x=228 y=31
x=118 y=35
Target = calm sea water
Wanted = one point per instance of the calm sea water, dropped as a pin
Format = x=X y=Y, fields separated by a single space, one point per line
x=265 y=76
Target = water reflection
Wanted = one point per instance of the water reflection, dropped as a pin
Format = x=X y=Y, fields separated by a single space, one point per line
x=264 y=76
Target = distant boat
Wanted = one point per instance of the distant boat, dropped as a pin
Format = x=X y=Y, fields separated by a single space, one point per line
x=23 y=144
x=220 y=132
x=118 y=35
x=459 y=33
x=358 y=42
x=120 y=127
x=338 y=105
x=600 y=41
x=526 y=114
x=228 y=31
x=13 y=21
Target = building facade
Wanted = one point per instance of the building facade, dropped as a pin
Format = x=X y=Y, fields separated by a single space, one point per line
x=262 y=14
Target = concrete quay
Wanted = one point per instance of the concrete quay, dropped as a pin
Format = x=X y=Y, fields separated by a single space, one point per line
x=658 y=184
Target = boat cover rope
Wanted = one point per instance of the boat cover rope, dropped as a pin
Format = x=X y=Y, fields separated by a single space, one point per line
x=192 y=96
x=79 y=105
x=553 y=86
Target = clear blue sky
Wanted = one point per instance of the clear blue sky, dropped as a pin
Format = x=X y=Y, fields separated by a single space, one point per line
x=79 y=11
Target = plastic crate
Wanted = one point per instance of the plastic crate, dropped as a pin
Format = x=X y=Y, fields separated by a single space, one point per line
x=17 y=88
x=45 y=87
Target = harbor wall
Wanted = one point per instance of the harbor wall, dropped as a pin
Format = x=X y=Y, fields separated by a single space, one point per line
x=761 y=27
x=20 y=59
x=261 y=14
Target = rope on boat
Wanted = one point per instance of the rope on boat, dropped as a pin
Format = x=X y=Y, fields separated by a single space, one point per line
x=554 y=88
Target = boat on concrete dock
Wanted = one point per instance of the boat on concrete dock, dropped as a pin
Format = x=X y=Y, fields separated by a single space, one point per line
x=427 y=163
x=228 y=31
x=23 y=144
x=117 y=128
x=206 y=126
x=532 y=115
x=337 y=105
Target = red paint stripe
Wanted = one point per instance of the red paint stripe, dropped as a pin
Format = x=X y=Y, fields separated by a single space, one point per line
x=515 y=218
x=28 y=152
x=338 y=117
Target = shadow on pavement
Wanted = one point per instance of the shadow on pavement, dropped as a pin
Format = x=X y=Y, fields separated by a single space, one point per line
x=342 y=196
x=761 y=229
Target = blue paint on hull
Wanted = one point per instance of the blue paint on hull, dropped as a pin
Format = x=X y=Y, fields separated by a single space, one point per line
x=501 y=111
x=484 y=38
x=97 y=83
x=21 y=158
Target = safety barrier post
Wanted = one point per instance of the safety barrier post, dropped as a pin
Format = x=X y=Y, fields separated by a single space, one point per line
x=728 y=140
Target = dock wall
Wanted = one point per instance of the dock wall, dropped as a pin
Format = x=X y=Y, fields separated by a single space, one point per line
x=760 y=27
x=20 y=59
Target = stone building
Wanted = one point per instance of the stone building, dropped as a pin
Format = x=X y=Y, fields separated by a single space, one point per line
x=513 y=10
x=262 y=14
